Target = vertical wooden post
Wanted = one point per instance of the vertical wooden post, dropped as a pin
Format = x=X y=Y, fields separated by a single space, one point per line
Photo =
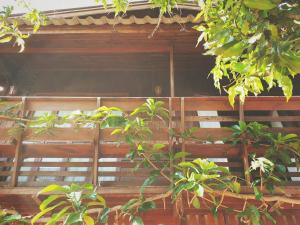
x=244 y=146
x=182 y=123
x=172 y=76
x=18 y=151
x=96 y=149
x=170 y=137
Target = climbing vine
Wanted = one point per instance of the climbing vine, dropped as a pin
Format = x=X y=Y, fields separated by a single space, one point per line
x=191 y=181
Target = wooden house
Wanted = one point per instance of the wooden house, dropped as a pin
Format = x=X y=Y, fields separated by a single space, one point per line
x=86 y=58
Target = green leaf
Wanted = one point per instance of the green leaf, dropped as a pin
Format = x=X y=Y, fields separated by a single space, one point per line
x=48 y=200
x=104 y=215
x=196 y=203
x=186 y=165
x=233 y=48
x=270 y=217
x=181 y=154
x=88 y=220
x=53 y=187
x=56 y=217
x=158 y=146
x=137 y=221
x=258 y=194
x=199 y=190
x=147 y=206
x=236 y=186
x=42 y=213
x=6 y=39
x=150 y=180
x=73 y=218
x=260 y=4
x=116 y=131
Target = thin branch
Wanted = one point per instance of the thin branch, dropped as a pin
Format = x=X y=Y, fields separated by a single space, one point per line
x=155 y=167
x=9 y=118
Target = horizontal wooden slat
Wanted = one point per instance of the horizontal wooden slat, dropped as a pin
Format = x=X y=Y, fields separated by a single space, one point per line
x=211 y=118
x=53 y=104
x=7 y=150
x=56 y=151
x=272 y=118
x=207 y=103
x=213 y=150
x=271 y=103
x=214 y=133
x=6 y=164
x=159 y=134
x=61 y=134
x=5 y=173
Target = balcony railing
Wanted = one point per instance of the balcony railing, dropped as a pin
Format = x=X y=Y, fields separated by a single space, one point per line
x=92 y=155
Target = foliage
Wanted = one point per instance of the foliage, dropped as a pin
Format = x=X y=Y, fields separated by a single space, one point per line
x=255 y=43
x=8 y=217
x=69 y=204
x=199 y=179
x=281 y=152
x=9 y=26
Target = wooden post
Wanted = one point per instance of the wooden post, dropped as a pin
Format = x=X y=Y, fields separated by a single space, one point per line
x=170 y=141
x=18 y=151
x=244 y=146
x=182 y=123
x=96 y=149
x=172 y=81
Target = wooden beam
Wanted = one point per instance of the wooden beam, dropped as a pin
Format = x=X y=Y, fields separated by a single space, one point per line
x=96 y=149
x=244 y=147
x=83 y=50
x=172 y=81
x=18 y=151
x=109 y=29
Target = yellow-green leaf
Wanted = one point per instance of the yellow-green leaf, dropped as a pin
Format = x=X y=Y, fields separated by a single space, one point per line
x=6 y=39
x=88 y=220
x=196 y=203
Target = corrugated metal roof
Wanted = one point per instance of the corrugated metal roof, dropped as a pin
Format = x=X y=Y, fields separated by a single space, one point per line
x=116 y=20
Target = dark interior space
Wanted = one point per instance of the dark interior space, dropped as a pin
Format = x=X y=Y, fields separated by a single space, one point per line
x=132 y=74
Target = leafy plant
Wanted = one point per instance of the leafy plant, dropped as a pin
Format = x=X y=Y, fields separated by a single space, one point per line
x=10 y=217
x=281 y=152
x=256 y=44
x=69 y=204
x=200 y=180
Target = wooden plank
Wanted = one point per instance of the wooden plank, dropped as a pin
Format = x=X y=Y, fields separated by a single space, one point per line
x=96 y=149
x=159 y=134
x=61 y=104
x=60 y=134
x=55 y=173
x=207 y=103
x=244 y=147
x=172 y=75
x=18 y=153
x=5 y=173
x=211 y=118
x=213 y=133
x=213 y=150
x=271 y=103
x=7 y=150
x=57 y=151
x=57 y=164
x=272 y=118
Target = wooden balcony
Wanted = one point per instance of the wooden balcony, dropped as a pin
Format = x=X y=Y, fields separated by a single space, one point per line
x=92 y=155
x=77 y=153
